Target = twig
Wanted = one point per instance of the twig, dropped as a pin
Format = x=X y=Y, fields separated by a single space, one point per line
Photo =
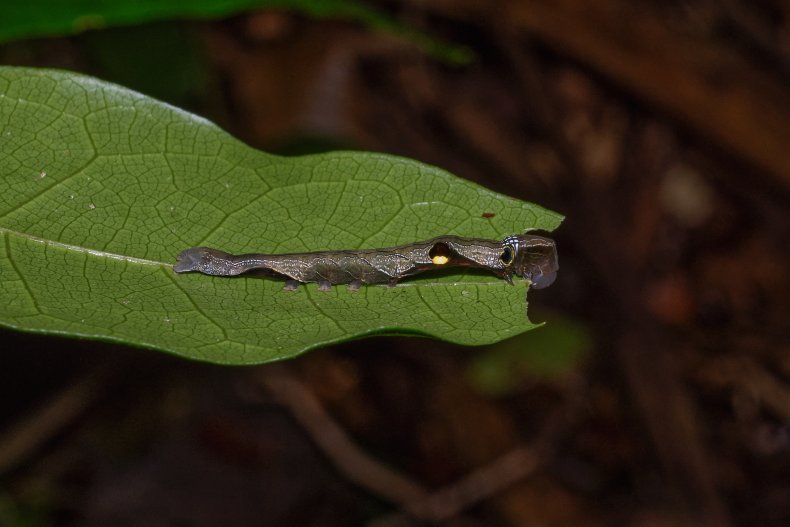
x=384 y=481
x=335 y=443
x=480 y=484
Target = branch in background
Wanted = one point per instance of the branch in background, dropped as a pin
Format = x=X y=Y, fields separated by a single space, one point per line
x=387 y=482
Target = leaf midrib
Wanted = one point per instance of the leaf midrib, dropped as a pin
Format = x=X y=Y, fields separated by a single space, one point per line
x=155 y=263
x=86 y=250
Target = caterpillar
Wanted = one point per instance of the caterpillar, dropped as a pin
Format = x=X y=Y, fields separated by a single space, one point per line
x=525 y=255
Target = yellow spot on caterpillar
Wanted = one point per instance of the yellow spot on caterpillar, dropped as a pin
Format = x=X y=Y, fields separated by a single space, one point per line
x=440 y=260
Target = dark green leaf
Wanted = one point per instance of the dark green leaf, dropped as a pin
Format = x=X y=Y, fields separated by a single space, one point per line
x=40 y=18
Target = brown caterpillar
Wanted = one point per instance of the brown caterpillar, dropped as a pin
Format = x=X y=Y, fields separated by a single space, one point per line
x=529 y=256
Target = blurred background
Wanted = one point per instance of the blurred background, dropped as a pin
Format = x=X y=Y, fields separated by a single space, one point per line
x=658 y=394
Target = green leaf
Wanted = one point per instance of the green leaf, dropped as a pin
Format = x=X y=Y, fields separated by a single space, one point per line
x=37 y=18
x=547 y=355
x=100 y=189
x=25 y=18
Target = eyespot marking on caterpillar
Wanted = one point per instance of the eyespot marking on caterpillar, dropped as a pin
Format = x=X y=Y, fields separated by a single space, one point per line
x=507 y=255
